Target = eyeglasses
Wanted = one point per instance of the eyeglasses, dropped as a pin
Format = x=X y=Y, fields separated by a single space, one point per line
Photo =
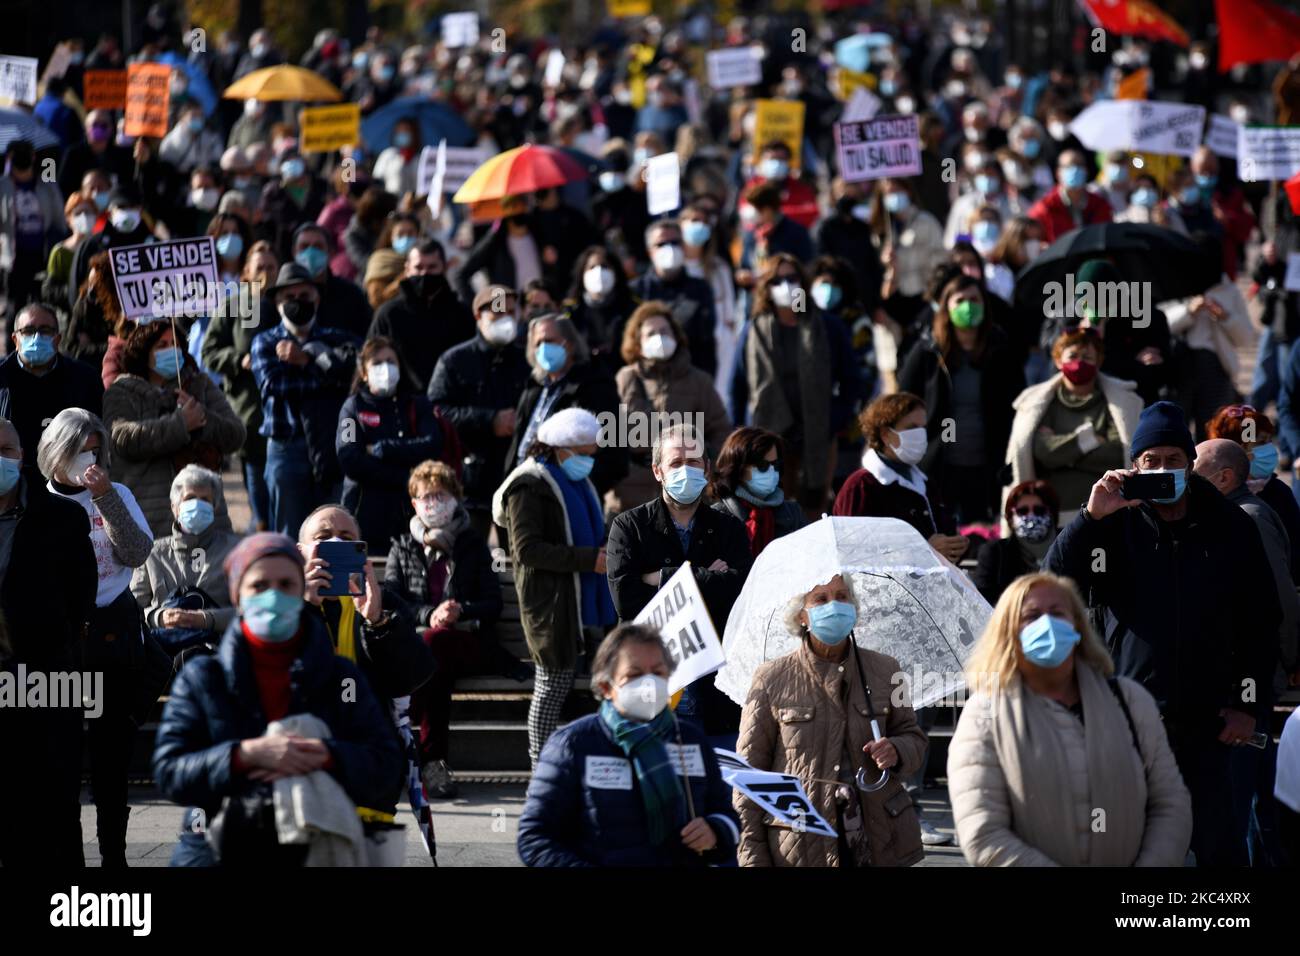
x=1025 y=511
x=43 y=330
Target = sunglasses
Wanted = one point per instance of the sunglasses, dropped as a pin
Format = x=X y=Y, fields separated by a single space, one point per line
x=1039 y=511
x=1240 y=411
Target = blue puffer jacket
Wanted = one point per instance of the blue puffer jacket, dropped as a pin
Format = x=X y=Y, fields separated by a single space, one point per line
x=214 y=703
x=568 y=822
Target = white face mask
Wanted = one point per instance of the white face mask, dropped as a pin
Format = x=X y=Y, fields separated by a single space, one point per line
x=669 y=258
x=1057 y=130
x=501 y=331
x=782 y=294
x=912 y=443
x=598 y=280
x=205 y=199
x=125 y=220
x=78 y=468
x=643 y=698
x=905 y=104
x=658 y=346
x=437 y=514
x=83 y=223
x=382 y=378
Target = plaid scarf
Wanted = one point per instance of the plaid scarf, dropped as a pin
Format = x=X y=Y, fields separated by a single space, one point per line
x=643 y=743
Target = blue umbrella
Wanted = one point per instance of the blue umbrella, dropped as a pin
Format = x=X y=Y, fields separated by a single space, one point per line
x=200 y=89
x=437 y=122
x=16 y=125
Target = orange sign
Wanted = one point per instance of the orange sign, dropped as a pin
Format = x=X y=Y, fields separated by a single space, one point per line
x=1133 y=86
x=148 y=96
x=104 y=89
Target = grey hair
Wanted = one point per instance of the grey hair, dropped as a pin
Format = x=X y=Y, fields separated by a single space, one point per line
x=682 y=433
x=31 y=307
x=64 y=437
x=194 y=476
x=564 y=325
x=658 y=224
x=606 y=659
x=795 y=607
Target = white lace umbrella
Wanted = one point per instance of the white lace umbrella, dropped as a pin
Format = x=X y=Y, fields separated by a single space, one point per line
x=915 y=606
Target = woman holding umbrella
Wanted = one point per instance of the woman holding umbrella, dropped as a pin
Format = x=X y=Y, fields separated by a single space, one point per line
x=824 y=713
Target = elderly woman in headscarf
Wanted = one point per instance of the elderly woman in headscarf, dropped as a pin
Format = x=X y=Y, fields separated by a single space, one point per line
x=551 y=511
x=1051 y=739
x=815 y=713
x=182 y=584
x=217 y=749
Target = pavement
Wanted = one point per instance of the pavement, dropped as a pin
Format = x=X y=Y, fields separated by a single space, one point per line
x=478 y=828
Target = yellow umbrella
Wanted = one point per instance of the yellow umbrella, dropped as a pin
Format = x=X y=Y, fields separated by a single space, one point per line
x=284 y=82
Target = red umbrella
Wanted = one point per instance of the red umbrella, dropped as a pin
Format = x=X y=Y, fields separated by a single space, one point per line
x=524 y=169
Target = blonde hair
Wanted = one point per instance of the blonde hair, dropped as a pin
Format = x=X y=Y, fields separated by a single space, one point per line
x=995 y=660
x=437 y=475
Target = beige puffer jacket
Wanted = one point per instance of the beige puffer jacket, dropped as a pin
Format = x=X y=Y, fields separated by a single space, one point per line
x=794 y=722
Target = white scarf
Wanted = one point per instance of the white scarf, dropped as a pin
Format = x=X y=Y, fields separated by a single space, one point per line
x=884 y=473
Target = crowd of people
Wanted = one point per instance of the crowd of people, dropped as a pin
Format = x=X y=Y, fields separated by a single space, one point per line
x=397 y=377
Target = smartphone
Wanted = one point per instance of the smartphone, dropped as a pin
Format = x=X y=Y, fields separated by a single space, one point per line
x=1147 y=486
x=346 y=563
x=1258 y=740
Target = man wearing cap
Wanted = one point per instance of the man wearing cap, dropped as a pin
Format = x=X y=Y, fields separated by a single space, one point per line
x=274 y=661
x=303 y=371
x=425 y=319
x=477 y=385
x=1185 y=589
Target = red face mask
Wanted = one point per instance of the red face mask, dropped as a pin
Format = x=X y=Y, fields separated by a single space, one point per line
x=1079 y=372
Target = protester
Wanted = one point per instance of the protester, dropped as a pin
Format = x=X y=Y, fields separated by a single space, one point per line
x=691 y=300
x=80 y=215
x=551 y=511
x=792 y=724
x=746 y=485
x=1032 y=513
x=341 y=305
x=31 y=223
x=599 y=303
x=1050 y=735
x=573 y=818
x=1071 y=204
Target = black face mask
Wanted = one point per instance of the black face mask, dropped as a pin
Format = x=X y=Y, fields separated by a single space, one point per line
x=299 y=312
x=844 y=205
x=427 y=286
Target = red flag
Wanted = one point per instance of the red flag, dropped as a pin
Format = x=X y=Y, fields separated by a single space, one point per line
x=1140 y=18
x=1254 y=31
x=1293 y=193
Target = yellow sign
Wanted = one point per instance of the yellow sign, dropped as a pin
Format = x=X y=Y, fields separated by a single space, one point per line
x=847 y=81
x=327 y=128
x=779 y=120
x=628 y=8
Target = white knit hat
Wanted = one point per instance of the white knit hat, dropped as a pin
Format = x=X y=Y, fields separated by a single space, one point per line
x=569 y=428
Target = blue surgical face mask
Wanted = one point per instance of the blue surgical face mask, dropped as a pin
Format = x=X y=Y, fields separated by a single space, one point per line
x=832 y=622
x=1263 y=461
x=403 y=244
x=985 y=231
x=1207 y=182
x=292 y=168
x=1190 y=195
x=1180 y=483
x=386 y=73
x=1047 y=641
x=888 y=87
x=401 y=139
x=684 y=484
x=35 y=349
x=312 y=259
x=10 y=469
x=826 y=296
x=230 y=245
x=1030 y=148
x=987 y=185
x=272 y=615
x=195 y=515
x=774 y=169
x=1074 y=177
x=101 y=201
x=897 y=202
x=763 y=482
x=1145 y=197
x=611 y=181
x=577 y=467
x=696 y=233
x=551 y=357
x=167 y=362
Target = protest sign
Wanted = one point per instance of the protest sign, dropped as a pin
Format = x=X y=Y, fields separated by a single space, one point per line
x=461 y=163
x=1292 y=281
x=459 y=29
x=1268 y=152
x=1134 y=86
x=327 y=128
x=779 y=120
x=880 y=147
x=680 y=616
x=863 y=106
x=148 y=99
x=735 y=66
x=18 y=79
x=1221 y=136
x=628 y=8
x=663 y=183
x=104 y=89
x=554 y=74
x=783 y=796
x=436 y=187
x=1172 y=129
x=167 y=279
x=847 y=82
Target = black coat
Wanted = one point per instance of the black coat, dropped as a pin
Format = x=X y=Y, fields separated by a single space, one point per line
x=470 y=384
x=492 y=252
x=788 y=515
x=393 y=657
x=388 y=437
x=473 y=583
x=422 y=330
x=1190 y=619
x=215 y=702
x=850 y=239
x=1000 y=563
x=691 y=301
x=30 y=401
x=585 y=386
x=344 y=306
x=278 y=216
x=643 y=539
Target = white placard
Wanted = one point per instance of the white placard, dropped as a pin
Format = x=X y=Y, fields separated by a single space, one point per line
x=883 y=146
x=461 y=162
x=1221 y=135
x=167 y=279
x=1292 y=281
x=663 y=184
x=554 y=68
x=678 y=612
x=1268 y=152
x=436 y=183
x=862 y=106
x=607 y=773
x=460 y=29
x=686 y=760
x=18 y=79
x=735 y=66
x=1172 y=129
x=783 y=796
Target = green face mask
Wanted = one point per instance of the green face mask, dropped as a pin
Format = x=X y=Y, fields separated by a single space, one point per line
x=967 y=315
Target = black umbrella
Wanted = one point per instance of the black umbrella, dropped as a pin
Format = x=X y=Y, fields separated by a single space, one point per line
x=1169 y=260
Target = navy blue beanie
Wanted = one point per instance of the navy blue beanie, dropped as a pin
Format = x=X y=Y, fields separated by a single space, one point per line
x=1162 y=424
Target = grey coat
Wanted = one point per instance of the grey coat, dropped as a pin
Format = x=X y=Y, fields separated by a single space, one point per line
x=1277 y=545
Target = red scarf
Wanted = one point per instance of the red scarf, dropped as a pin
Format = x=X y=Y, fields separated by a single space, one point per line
x=761 y=526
